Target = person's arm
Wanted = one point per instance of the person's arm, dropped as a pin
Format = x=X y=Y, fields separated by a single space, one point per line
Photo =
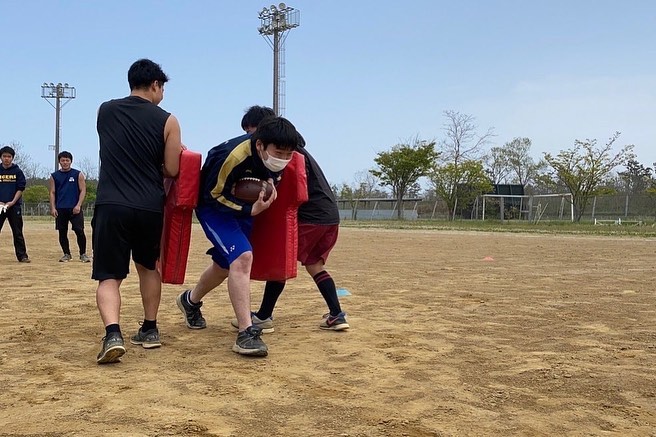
x=53 y=205
x=82 y=188
x=20 y=187
x=173 y=147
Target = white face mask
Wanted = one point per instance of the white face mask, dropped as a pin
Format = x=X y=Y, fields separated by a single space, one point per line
x=275 y=164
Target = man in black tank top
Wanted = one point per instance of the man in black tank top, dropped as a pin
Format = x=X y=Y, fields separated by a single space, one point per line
x=140 y=143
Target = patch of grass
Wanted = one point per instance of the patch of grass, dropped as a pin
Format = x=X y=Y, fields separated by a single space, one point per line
x=552 y=227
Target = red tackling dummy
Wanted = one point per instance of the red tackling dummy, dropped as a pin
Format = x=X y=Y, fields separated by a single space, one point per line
x=181 y=199
x=275 y=231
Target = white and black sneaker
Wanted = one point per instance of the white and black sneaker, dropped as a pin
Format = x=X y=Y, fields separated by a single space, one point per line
x=193 y=317
x=249 y=343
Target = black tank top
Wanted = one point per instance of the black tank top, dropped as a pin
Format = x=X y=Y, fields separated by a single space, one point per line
x=131 y=133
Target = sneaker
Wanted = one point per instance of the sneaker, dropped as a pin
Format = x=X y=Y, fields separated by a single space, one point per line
x=334 y=323
x=24 y=260
x=249 y=343
x=148 y=339
x=84 y=258
x=66 y=258
x=112 y=349
x=265 y=325
x=193 y=317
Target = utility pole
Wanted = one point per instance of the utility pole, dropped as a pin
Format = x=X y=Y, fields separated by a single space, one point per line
x=275 y=22
x=57 y=92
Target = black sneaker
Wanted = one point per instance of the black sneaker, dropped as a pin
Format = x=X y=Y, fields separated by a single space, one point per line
x=193 y=317
x=112 y=349
x=24 y=260
x=148 y=339
x=249 y=343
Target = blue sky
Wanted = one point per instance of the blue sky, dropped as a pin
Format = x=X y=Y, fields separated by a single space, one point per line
x=361 y=76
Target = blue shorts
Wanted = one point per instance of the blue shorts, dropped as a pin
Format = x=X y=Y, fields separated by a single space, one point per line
x=227 y=233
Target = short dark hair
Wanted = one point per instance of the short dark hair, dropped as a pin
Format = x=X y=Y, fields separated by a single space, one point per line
x=64 y=154
x=7 y=149
x=144 y=72
x=278 y=131
x=254 y=115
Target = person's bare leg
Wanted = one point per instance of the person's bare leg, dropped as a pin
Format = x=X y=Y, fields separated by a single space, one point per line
x=212 y=277
x=150 y=286
x=315 y=268
x=108 y=299
x=239 y=289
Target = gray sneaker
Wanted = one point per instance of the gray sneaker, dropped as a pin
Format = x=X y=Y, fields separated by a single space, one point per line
x=265 y=325
x=112 y=349
x=148 y=339
x=66 y=258
x=193 y=317
x=84 y=258
x=334 y=323
x=249 y=343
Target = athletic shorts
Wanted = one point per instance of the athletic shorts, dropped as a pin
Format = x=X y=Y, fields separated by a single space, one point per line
x=120 y=231
x=227 y=233
x=315 y=242
x=65 y=215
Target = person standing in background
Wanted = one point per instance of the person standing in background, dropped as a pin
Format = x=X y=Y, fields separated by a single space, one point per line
x=12 y=185
x=67 y=191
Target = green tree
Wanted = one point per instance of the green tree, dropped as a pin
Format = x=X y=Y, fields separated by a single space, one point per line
x=459 y=184
x=401 y=167
x=584 y=168
x=36 y=194
x=92 y=188
x=636 y=178
x=521 y=167
x=496 y=163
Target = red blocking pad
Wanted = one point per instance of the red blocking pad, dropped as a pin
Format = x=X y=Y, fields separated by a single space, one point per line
x=181 y=199
x=275 y=231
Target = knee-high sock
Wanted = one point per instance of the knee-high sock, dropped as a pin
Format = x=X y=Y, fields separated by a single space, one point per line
x=327 y=289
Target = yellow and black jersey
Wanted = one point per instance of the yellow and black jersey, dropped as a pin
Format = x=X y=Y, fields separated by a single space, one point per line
x=226 y=164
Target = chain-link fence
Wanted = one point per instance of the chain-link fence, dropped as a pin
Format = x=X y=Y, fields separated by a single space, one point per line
x=639 y=207
x=43 y=209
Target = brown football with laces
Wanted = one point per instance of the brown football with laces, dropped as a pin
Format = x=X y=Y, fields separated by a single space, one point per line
x=248 y=189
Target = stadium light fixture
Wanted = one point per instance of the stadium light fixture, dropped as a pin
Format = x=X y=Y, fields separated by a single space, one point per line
x=57 y=92
x=275 y=23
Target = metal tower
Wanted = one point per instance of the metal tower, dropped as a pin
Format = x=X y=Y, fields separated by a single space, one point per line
x=276 y=22
x=57 y=92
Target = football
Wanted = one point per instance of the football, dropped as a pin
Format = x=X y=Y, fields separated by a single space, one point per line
x=248 y=189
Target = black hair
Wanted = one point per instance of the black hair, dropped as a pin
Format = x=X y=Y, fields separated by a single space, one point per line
x=65 y=154
x=144 y=72
x=254 y=115
x=7 y=149
x=278 y=131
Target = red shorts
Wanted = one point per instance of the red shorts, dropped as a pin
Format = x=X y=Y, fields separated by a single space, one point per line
x=315 y=242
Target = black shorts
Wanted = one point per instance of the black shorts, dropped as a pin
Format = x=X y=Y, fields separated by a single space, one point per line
x=119 y=231
x=65 y=215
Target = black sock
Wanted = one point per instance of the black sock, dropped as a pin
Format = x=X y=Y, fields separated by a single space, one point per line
x=114 y=327
x=147 y=325
x=272 y=291
x=327 y=289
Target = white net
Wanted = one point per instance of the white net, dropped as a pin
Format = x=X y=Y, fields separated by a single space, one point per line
x=535 y=208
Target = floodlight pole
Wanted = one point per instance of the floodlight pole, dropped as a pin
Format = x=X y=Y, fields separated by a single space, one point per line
x=57 y=92
x=276 y=21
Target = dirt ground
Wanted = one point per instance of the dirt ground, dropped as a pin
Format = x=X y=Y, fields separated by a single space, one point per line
x=452 y=334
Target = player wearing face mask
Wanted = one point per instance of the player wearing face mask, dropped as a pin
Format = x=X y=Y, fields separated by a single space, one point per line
x=227 y=222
